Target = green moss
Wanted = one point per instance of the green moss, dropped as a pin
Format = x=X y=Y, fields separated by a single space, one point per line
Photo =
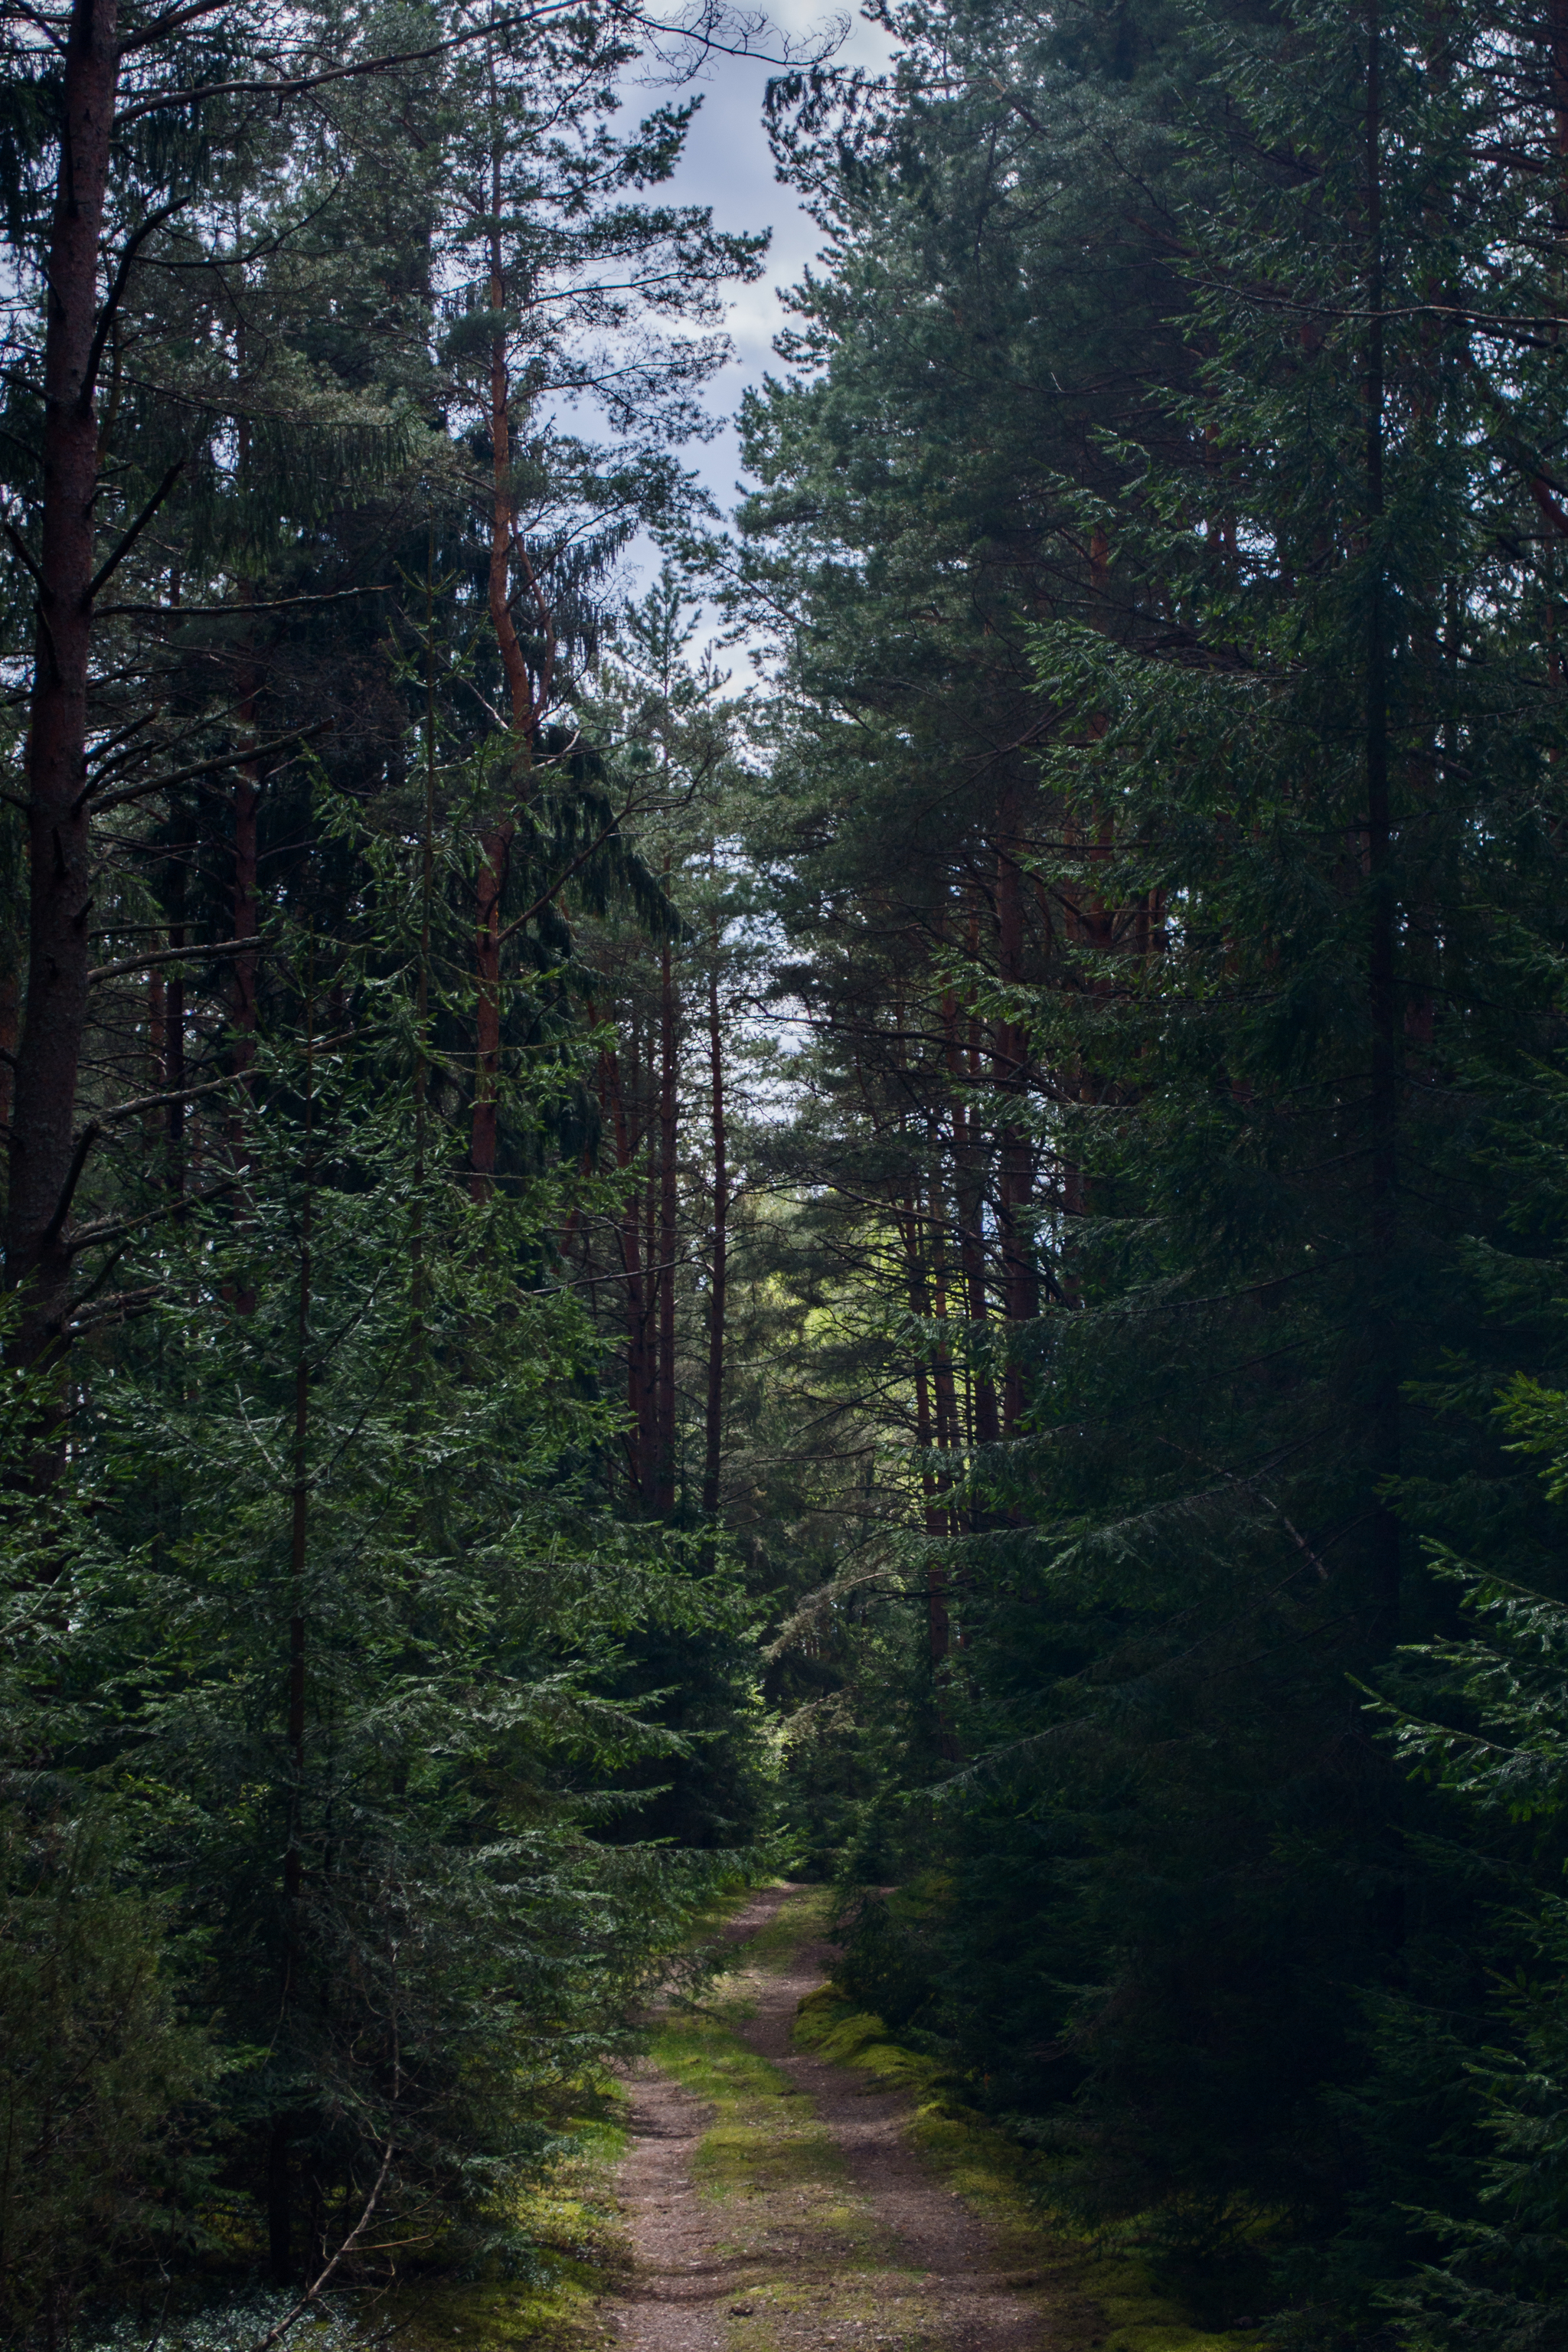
x=581 y=2256
x=1106 y=2300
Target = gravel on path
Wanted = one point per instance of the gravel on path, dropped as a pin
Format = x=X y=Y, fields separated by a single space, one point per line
x=871 y=2254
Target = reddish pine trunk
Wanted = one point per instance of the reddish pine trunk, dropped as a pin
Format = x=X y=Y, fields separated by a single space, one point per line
x=664 y=1485
x=279 y=2193
x=639 y=1467
x=519 y=691
x=648 y=1400
x=1020 y=1290
x=713 y=1419
x=938 y=1624
x=1381 y=977
x=947 y=1414
x=37 y=1254
x=969 y=1186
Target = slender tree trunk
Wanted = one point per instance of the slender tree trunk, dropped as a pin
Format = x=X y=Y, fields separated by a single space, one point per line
x=174 y=1019
x=648 y=1402
x=247 y=904
x=925 y=1443
x=935 y=1516
x=48 y=1054
x=1020 y=1289
x=669 y=1237
x=713 y=1419
x=1382 y=890
x=421 y=1002
x=969 y=1188
x=947 y=1407
x=246 y=930
x=639 y=1469
x=279 y=2192
x=497 y=855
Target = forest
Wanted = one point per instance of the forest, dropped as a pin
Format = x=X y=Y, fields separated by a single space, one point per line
x=882 y=1195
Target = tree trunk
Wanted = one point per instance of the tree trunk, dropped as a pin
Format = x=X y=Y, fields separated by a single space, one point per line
x=713 y=1419
x=969 y=1187
x=422 y=1003
x=37 y=1253
x=278 y=2183
x=246 y=910
x=648 y=1402
x=498 y=844
x=947 y=1408
x=664 y=1490
x=1382 y=891
x=174 y=1021
x=639 y=1467
x=1020 y=1288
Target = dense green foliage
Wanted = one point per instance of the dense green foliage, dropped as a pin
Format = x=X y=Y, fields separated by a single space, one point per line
x=951 y=1267
x=1167 y=830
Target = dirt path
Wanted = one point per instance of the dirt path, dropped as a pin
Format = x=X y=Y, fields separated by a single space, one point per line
x=784 y=2211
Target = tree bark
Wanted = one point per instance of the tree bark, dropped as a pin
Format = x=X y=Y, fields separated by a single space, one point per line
x=1382 y=889
x=174 y=1021
x=279 y=2193
x=496 y=859
x=669 y=1114
x=37 y=1251
x=639 y=1465
x=714 y=1418
x=969 y=1198
x=1020 y=1288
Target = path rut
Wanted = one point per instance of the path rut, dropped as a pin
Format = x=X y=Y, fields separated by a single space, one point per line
x=860 y=2248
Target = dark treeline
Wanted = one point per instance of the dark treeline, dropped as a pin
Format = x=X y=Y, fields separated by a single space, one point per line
x=1168 y=507
x=946 y=1268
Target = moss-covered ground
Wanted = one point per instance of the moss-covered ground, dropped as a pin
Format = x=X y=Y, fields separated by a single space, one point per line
x=1109 y=2297
x=581 y=2257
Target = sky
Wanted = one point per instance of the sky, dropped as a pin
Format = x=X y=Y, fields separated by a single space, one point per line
x=727 y=165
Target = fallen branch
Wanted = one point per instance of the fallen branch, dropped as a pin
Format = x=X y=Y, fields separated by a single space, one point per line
x=264 y=2343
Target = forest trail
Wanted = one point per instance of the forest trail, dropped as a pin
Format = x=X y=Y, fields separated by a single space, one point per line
x=772 y=2202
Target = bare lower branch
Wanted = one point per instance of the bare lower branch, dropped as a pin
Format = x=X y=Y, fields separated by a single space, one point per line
x=264 y=2343
x=158 y=1102
x=170 y=955
x=225 y=612
x=84 y=1142
x=114 y=1229
x=206 y=767
x=108 y=569
x=113 y=299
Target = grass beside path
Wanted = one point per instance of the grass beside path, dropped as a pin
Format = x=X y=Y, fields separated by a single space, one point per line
x=1111 y=2297
x=582 y=2254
